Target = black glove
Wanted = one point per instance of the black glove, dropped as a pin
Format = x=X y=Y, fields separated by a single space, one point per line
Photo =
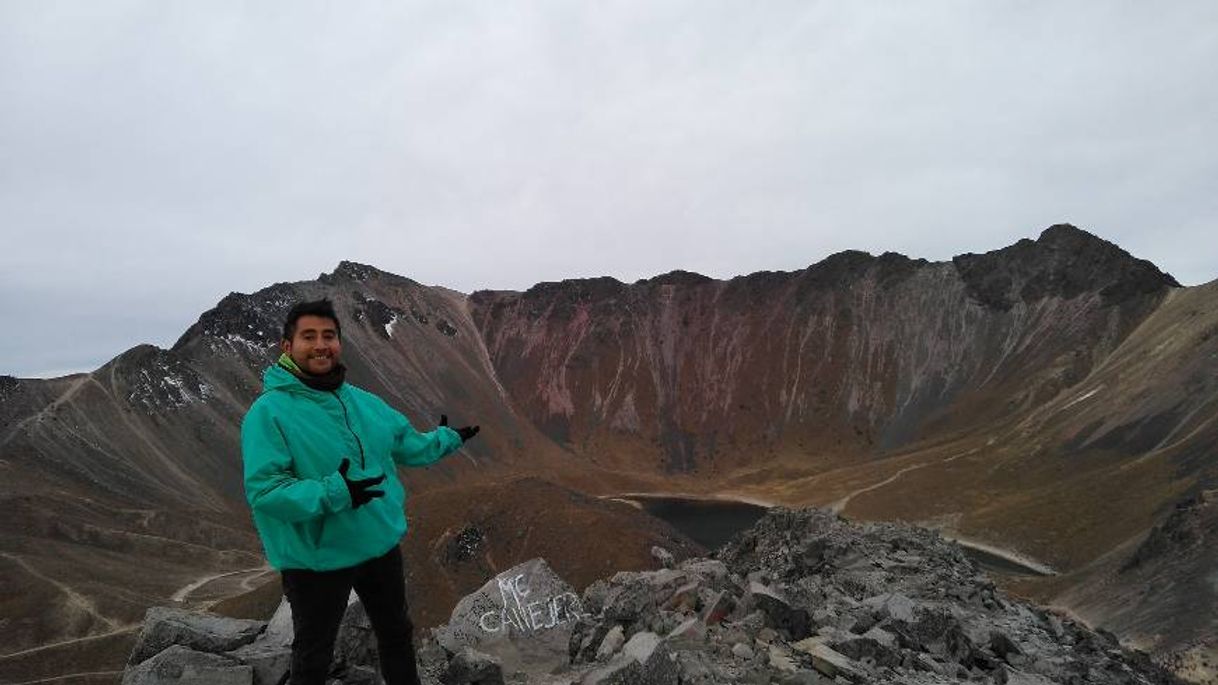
x=465 y=433
x=360 y=488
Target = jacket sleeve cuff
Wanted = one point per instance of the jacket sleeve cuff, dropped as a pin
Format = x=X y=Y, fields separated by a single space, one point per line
x=338 y=497
x=450 y=440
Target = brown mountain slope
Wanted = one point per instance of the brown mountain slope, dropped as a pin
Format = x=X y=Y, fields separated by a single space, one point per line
x=1054 y=397
x=1073 y=477
x=1160 y=591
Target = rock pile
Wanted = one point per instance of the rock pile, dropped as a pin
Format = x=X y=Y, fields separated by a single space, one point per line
x=802 y=597
x=182 y=647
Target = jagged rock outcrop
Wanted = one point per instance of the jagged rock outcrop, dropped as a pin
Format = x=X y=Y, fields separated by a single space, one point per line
x=1064 y=262
x=802 y=597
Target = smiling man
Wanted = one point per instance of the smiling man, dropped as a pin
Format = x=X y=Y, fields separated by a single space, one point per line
x=320 y=458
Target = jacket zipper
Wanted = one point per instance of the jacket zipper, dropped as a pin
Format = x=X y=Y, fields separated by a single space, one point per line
x=347 y=419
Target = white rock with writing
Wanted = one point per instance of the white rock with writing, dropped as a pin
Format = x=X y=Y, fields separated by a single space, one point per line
x=523 y=614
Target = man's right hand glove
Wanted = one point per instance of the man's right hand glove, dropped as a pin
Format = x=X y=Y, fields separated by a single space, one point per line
x=466 y=432
x=360 y=488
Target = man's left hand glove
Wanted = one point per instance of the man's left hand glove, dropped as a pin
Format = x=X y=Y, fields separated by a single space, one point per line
x=466 y=433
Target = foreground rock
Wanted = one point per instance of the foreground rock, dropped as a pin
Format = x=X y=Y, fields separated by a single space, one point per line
x=164 y=626
x=183 y=647
x=807 y=597
x=522 y=618
x=803 y=597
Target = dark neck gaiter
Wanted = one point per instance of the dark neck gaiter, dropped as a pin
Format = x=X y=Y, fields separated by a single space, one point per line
x=326 y=383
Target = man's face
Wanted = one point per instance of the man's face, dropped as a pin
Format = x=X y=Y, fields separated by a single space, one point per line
x=315 y=347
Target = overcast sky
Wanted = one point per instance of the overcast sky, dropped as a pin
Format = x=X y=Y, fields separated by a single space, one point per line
x=156 y=155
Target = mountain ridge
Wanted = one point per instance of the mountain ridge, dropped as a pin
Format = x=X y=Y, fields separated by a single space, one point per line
x=895 y=385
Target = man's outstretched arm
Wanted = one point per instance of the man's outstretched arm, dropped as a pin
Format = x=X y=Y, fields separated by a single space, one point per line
x=271 y=486
x=412 y=448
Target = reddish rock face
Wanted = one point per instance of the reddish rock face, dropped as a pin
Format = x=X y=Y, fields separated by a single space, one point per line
x=852 y=355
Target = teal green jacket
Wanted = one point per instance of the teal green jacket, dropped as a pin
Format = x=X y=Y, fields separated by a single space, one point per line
x=292 y=441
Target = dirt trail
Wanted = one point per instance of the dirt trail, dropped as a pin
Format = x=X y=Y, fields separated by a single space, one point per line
x=840 y=505
x=256 y=572
x=129 y=628
x=75 y=599
x=1011 y=556
x=51 y=406
x=69 y=676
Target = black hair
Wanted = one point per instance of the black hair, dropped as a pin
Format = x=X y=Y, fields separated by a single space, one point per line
x=323 y=308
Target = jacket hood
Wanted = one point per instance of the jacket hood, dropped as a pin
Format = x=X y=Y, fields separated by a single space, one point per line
x=278 y=378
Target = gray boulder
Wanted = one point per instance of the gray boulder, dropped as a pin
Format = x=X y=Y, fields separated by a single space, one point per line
x=587 y=635
x=712 y=571
x=662 y=556
x=690 y=629
x=268 y=663
x=717 y=607
x=893 y=606
x=355 y=651
x=613 y=641
x=279 y=630
x=643 y=661
x=356 y=643
x=780 y=615
x=203 y=632
x=471 y=667
x=635 y=597
x=270 y=654
x=180 y=665
x=523 y=617
x=831 y=662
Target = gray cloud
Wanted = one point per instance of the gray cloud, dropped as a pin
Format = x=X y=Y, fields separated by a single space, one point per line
x=155 y=156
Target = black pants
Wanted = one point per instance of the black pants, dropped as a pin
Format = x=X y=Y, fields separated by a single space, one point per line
x=319 y=599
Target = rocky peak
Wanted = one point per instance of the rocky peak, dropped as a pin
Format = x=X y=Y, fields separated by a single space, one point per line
x=244 y=322
x=557 y=299
x=843 y=262
x=353 y=271
x=349 y=272
x=676 y=277
x=803 y=597
x=1065 y=262
x=157 y=380
x=850 y=265
x=577 y=289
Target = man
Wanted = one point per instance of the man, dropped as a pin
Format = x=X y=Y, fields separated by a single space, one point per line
x=321 y=459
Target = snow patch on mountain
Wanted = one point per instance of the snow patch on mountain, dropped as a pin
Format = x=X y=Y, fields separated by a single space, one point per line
x=167 y=385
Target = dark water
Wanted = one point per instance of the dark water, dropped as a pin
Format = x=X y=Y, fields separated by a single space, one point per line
x=708 y=523
x=712 y=523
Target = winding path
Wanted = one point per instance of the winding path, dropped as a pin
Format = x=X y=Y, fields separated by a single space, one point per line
x=184 y=592
x=51 y=406
x=69 y=676
x=838 y=506
x=129 y=628
x=75 y=599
